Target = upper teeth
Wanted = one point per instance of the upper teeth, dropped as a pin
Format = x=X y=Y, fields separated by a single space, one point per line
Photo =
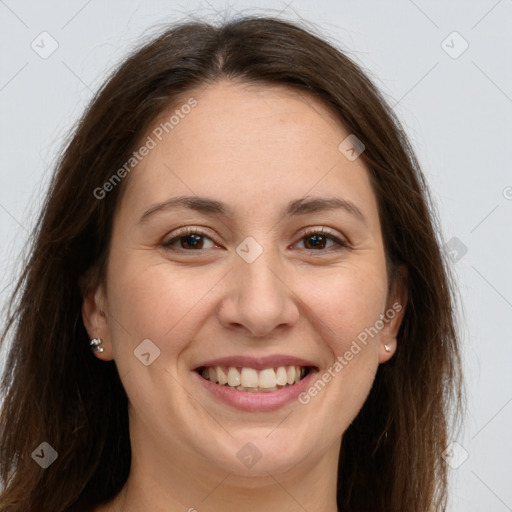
x=251 y=378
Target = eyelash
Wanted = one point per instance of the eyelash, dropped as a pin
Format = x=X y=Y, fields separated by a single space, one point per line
x=196 y=231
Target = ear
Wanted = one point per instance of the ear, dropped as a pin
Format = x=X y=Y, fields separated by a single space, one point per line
x=394 y=314
x=94 y=314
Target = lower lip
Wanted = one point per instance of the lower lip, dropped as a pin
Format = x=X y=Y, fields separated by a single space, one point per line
x=257 y=402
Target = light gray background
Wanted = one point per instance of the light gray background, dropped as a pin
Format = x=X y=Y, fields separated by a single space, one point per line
x=457 y=112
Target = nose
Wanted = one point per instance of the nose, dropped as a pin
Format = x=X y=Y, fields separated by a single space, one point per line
x=258 y=298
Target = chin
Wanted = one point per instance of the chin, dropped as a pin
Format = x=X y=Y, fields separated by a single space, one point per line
x=254 y=453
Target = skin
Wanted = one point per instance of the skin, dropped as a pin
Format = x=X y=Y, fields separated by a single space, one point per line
x=255 y=148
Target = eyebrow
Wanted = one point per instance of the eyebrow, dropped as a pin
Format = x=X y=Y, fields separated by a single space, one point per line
x=216 y=208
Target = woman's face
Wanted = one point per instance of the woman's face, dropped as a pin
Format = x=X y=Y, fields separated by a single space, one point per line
x=269 y=277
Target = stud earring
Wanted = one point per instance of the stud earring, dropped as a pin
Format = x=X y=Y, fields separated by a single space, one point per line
x=96 y=345
x=387 y=348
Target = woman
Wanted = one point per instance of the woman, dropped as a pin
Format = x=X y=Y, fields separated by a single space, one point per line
x=235 y=297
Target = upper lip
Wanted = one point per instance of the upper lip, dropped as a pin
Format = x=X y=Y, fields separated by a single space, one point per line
x=258 y=363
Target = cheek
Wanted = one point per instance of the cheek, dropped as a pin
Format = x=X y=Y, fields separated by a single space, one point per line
x=347 y=301
x=156 y=302
x=346 y=305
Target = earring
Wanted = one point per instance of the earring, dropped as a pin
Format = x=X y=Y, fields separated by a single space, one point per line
x=386 y=347
x=96 y=345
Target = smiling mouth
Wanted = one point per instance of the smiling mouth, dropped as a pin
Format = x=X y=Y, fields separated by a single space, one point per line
x=251 y=380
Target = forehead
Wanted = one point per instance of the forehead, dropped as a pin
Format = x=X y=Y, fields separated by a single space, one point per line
x=249 y=144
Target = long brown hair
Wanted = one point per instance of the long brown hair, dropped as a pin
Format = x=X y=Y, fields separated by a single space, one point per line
x=56 y=391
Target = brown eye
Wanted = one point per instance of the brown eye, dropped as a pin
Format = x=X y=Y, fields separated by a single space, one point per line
x=317 y=241
x=188 y=240
x=193 y=241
